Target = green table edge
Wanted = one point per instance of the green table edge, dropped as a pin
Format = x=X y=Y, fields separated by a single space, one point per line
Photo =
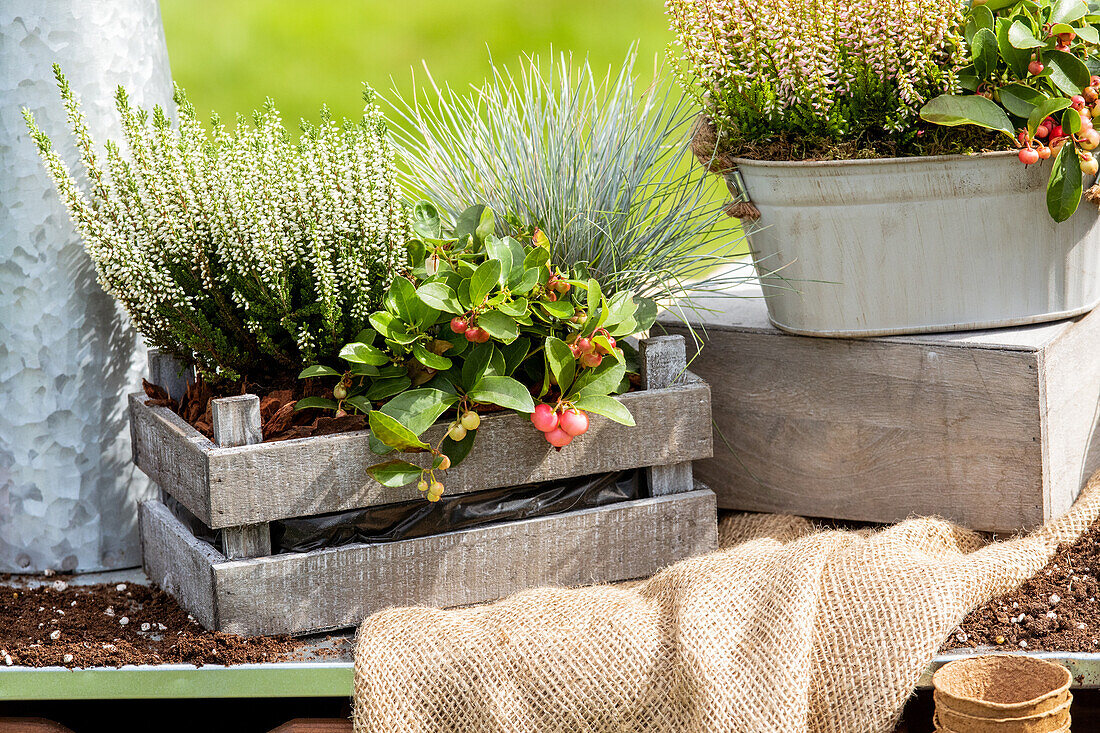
x=178 y=681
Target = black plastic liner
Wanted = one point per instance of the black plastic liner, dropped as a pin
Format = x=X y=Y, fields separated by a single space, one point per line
x=419 y=518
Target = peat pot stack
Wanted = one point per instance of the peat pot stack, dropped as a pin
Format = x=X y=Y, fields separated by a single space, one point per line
x=240 y=488
x=1002 y=694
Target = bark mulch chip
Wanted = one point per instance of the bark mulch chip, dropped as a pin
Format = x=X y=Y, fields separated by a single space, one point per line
x=1057 y=609
x=109 y=625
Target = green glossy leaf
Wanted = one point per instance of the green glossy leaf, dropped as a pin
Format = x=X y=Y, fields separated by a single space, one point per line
x=558 y=309
x=515 y=308
x=318 y=370
x=642 y=319
x=425 y=220
x=1067 y=11
x=982 y=16
x=611 y=352
x=499 y=326
x=609 y=407
x=364 y=354
x=498 y=250
x=391 y=432
x=484 y=279
x=364 y=370
x=458 y=450
x=562 y=363
x=383 y=388
x=1020 y=100
x=1088 y=34
x=602 y=380
x=1021 y=36
x=1071 y=122
x=385 y=323
x=514 y=354
x=366 y=336
x=360 y=403
x=1044 y=110
x=439 y=296
x=526 y=281
x=395 y=473
x=1067 y=72
x=504 y=392
x=1016 y=58
x=469 y=220
x=984 y=53
x=318 y=402
x=429 y=359
x=418 y=409
x=537 y=257
x=1064 y=186
x=967 y=109
x=477 y=364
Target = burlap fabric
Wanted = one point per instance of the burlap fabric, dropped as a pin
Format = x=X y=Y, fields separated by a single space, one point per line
x=785 y=629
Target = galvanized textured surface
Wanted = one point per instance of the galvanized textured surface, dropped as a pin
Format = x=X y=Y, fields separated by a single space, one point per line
x=68 y=492
x=917 y=245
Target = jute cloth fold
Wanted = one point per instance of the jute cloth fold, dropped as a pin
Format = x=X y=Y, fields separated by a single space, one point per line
x=787 y=628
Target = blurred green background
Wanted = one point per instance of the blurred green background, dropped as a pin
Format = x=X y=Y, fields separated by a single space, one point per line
x=231 y=54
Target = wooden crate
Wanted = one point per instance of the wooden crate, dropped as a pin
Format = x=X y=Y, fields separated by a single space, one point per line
x=240 y=486
x=997 y=430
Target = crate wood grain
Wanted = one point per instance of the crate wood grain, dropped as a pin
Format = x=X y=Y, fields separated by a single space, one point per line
x=251 y=484
x=997 y=430
x=339 y=587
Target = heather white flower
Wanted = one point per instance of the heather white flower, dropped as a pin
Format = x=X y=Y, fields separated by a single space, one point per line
x=247 y=250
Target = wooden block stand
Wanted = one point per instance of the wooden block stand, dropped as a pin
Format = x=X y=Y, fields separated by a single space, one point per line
x=240 y=485
x=997 y=430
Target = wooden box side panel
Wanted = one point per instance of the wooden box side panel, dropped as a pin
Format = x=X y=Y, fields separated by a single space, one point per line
x=177 y=562
x=272 y=481
x=1070 y=368
x=171 y=453
x=873 y=430
x=339 y=587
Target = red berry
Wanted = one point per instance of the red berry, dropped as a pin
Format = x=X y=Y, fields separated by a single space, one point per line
x=558 y=438
x=583 y=345
x=1042 y=131
x=574 y=422
x=552 y=296
x=1067 y=36
x=544 y=417
x=459 y=325
x=472 y=333
x=1029 y=156
x=483 y=336
x=1044 y=152
x=1056 y=132
x=1035 y=67
x=591 y=359
x=1077 y=101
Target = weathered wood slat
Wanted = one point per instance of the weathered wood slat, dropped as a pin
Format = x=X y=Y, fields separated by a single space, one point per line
x=338 y=587
x=664 y=363
x=236 y=423
x=996 y=430
x=262 y=483
x=171 y=453
x=177 y=562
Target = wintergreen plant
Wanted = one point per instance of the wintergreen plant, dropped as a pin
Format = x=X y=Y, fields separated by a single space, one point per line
x=598 y=164
x=247 y=252
x=839 y=70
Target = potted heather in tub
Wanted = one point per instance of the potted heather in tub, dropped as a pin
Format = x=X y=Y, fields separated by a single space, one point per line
x=903 y=167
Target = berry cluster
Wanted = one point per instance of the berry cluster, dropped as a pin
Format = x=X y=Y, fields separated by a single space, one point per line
x=587 y=350
x=561 y=424
x=1050 y=137
x=556 y=286
x=465 y=326
x=469 y=420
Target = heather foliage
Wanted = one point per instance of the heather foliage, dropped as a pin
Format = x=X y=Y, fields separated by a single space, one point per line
x=838 y=70
x=247 y=252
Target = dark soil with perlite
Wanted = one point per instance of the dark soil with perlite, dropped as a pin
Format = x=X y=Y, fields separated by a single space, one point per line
x=109 y=625
x=1058 y=609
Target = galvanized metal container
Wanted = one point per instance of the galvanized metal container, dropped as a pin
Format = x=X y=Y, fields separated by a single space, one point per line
x=917 y=245
x=68 y=491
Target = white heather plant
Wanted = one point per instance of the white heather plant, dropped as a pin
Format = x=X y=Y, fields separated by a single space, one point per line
x=246 y=252
x=827 y=70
